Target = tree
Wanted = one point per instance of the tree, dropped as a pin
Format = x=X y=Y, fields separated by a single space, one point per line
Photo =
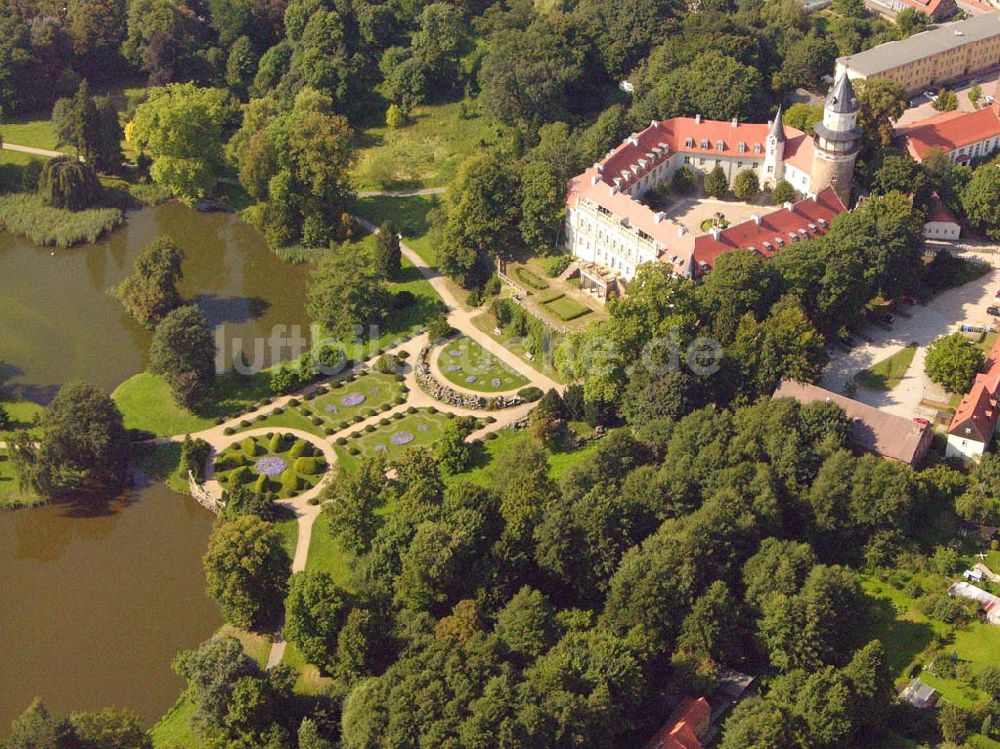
x=981 y=199
x=543 y=197
x=65 y=182
x=746 y=185
x=91 y=126
x=436 y=45
x=806 y=61
x=241 y=65
x=911 y=21
x=346 y=292
x=783 y=192
x=946 y=101
x=212 y=670
x=183 y=353
x=180 y=125
x=975 y=94
x=150 y=292
x=36 y=728
x=713 y=84
x=394 y=117
x=900 y=172
x=952 y=361
x=953 y=721
x=242 y=500
x=452 y=451
x=716 y=183
x=84 y=445
x=882 y=101
x=388 y=256
x=354 y=499
x=482 y=219
x=803 y=116
x=247 y=570
x=315 y=611
x=683 y=180
x=110 y=729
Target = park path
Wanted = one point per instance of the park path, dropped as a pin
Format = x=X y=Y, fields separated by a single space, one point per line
x=33 y=151
x=403 y=193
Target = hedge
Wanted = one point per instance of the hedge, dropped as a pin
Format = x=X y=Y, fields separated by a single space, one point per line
x=528 y=278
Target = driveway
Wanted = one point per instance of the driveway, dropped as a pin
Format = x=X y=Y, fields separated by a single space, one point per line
x=924 y=108
x=941 y=316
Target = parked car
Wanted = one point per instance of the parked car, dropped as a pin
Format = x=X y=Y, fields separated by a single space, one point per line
x=997 y=295
x=930 y=96
x=922 y=420
x=993 y=310
x=906 y=299
x=987 y=99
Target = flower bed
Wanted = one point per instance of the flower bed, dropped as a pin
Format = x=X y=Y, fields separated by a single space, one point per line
x=465 y=363
x=275 y=463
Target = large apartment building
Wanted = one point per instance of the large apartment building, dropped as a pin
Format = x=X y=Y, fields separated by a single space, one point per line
x=612 y=233
x=931 y=59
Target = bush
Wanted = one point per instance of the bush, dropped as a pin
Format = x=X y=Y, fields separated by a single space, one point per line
x=716 y=183
x=354 y=451
x=309 y=466
x=530 y=393
x=530 y=280
x=228 y=430
x=229 y=460
x=555 y=266
x=492 y=286
x=250 y=447
x=27 y=216
x=746 y=185
x=317 y=421
x=439 y=328
x=783 y=192
x=403 y=299
x=370 y=428
x=298 y=449
x=263 y=485
x=387 y=364
x=241 y=475
x=293 y=402
x=474 y=298
x=290 y=482
x=341 y=440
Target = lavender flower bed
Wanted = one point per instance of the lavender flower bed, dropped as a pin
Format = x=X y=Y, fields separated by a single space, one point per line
x=454 y=368
x=401 y=438
x=495 y=382
x=380 y=448
x=270 y=466
x=331 y=409
x=422 y=427
x=353 y=399
x=454 y=352
x=470 y=379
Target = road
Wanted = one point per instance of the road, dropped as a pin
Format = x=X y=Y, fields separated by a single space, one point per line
x=32 y=150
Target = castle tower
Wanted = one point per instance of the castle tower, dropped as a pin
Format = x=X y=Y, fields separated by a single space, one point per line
x=774 y=152
x=837 y=141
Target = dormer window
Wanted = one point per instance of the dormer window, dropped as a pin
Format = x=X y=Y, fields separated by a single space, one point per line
x=756 y=147
x=720 y=146
x=741 y=147
x=812 y=227
x=704 y=143
x=689 y=142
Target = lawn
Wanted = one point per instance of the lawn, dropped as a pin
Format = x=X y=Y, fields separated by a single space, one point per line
x=408 y=213
x=423 y=153
x=34 y=133
x=309 y=682
x=421 y=428
x=327 y=554
x=889 y=372
x=346 y=402
x=162 y=462
x=10 y=495
x=146 y=402
x=13 y=172
x=566 y=309
x=273 y=463
x=487 y=323
x=22 y=415
x=174 y=730
x=465 y=363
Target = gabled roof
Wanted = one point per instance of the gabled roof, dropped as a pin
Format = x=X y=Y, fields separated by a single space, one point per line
x=950 y=131
x=876 y=431
x=769 y=233
x=681 y=730
x=940 y=212
x=976 y=416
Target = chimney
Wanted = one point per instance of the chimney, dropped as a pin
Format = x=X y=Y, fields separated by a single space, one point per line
x=756 y=218
x=633 y=139
x=788 y=206
x=654 y=123
x=811 y=196
x=681 y=231
x=595 y=179
x=715 y=231
x=736 y=121
x=697 y=119
x=659 y=217
x=599 y=167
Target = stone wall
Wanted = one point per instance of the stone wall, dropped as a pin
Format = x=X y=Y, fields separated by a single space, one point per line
x=439 y=391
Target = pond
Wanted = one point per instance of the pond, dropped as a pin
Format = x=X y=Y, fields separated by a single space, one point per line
x=59 y=323
x=95 y=604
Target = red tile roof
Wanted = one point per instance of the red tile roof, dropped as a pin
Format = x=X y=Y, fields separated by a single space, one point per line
x=686 y=726
x=976 y=415
x=767 y=234
x=940 y=212
x=950 y=131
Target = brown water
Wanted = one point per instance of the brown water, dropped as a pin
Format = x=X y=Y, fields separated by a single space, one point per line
x=59 y=323
x=94 y=606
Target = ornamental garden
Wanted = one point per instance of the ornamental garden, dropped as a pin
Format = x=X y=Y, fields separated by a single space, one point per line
x=465 y=363
x=275 y=463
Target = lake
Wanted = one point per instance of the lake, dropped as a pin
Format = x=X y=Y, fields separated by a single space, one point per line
x=60 y=323
x=95 y=605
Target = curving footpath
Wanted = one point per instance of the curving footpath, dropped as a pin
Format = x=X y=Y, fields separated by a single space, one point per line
x=307 y=513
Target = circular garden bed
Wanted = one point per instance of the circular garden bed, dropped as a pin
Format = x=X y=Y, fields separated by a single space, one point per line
x=276 y=463
x=465 y=363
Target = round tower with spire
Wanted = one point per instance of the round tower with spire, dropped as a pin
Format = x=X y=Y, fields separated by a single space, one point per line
x=837 y=141
x=774 y=152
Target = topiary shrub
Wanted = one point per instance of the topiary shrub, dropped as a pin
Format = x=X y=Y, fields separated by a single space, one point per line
x=263 y=485
x=229 y=460
x=387 y=364
x=354 y=451
x=530 y=393
x=298 y=449
x=329 y=430
x=399 y=415
x=341 y=440
x=293 y=402
x=411 y=410
x=244 y=423
x=228 y=430
x=250 y=447
x=290 y=482
x=399 y=400
x=384 y=421
x=241 y=475
x=370 y=428
x=277 y=443
x=317 y=421
x=309 y=466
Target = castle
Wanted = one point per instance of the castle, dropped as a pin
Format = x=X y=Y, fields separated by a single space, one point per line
x=612 y=233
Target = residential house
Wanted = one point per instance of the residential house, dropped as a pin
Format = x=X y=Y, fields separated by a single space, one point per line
x=975 y=420
x=989 y=604
x=686 y=728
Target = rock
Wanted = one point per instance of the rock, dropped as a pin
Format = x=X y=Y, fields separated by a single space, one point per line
x=448 y=395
